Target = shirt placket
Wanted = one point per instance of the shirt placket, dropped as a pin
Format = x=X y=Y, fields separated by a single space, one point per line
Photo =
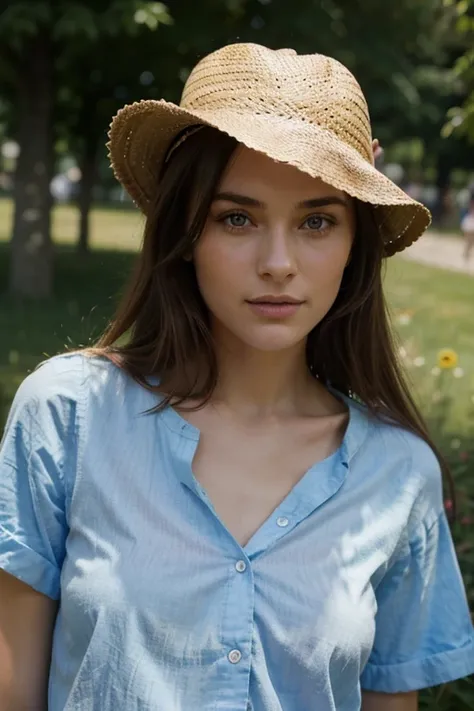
x=237 y=625
x=237 y=635
x=237 y=628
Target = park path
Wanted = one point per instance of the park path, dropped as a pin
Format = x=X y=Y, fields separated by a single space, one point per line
x=439 y=250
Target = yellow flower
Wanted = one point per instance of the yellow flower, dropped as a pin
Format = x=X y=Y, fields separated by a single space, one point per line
x=447 y=358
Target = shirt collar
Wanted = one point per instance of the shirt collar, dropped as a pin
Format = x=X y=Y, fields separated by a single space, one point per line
x=353 y=439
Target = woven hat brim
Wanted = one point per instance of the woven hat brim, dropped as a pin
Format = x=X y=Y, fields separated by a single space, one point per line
x=141 y=133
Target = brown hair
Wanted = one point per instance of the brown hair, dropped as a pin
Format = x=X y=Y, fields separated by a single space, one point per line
x=164 y=320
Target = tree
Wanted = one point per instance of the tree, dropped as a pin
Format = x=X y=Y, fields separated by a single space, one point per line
x=34 y=36
x=461 y=117
x=382 y=43
x=121 y=70
x=401 y=53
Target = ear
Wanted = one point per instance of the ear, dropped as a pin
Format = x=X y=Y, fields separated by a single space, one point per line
x=377 y=149
x=188 y=257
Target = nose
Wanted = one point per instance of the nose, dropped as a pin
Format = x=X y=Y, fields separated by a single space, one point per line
x=277 y=258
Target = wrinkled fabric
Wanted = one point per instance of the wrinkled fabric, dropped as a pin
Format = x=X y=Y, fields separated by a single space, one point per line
x=352 y=583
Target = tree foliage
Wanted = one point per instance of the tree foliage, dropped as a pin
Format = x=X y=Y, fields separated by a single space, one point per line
x=40 y=40
x=105 y=53
x=461 y=117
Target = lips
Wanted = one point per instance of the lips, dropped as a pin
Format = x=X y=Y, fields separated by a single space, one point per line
x=277 y=303
x=275 y=308
x=279 y=300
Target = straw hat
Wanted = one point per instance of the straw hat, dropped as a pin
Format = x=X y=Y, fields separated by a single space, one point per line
x=305 y=110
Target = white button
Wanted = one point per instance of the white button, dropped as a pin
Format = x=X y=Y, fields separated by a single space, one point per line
x=234 y=656
x=282 y=521
x=241 y=566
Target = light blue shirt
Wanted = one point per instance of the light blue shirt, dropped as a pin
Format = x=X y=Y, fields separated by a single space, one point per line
x=351 y=583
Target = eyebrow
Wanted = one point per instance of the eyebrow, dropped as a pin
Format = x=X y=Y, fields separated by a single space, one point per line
x=306 y=204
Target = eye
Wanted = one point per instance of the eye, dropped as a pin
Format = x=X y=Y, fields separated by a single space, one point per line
x=318 y=223
x=236 y=220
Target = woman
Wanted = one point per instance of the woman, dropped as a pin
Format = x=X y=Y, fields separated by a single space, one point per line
x=233 y=496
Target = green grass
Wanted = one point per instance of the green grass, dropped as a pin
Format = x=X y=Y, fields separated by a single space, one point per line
x=85 y=291
x=84 y=299
x=113 y=229
x=439 y=307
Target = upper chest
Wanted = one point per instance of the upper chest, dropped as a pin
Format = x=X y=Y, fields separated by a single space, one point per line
x=144 y=541
x=140 y=482
x=247 y=470
x=140 y=527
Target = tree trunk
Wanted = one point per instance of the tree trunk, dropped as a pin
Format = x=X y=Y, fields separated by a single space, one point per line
x=31 y=271
x=88 y=168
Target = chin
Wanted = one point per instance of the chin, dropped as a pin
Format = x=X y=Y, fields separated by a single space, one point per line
x=273 y=338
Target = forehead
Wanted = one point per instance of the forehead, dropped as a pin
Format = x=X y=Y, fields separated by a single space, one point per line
x=254 y=171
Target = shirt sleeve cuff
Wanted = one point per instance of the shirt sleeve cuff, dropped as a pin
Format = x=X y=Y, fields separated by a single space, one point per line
x=28 y=566
x=421 y=673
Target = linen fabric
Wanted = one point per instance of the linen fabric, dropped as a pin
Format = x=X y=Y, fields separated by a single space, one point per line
x=352 y=583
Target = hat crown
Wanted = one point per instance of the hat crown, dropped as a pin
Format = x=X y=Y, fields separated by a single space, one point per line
x=312 y=89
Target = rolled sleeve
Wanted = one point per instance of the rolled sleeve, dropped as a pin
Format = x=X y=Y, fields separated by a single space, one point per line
x=29 y=566
x=36 y=453
x=424 y=632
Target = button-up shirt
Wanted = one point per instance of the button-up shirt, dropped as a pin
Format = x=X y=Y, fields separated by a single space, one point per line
x=352 y=582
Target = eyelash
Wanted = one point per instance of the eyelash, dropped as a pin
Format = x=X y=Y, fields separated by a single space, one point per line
x=233 y=228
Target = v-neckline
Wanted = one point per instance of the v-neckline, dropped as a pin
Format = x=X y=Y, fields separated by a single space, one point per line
x=321 y=481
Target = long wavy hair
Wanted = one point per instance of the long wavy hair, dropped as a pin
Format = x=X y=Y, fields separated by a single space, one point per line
x=162 y=324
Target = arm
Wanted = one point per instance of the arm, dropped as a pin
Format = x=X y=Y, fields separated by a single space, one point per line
x=424 y=635
x=373 y=701
x=26 y=627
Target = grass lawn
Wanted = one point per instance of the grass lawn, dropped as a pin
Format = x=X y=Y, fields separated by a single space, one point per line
x=432 y=308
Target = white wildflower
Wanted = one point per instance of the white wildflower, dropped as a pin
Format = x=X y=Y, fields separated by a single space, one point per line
x=404 y=319
x=458 y=372
x=419 y=361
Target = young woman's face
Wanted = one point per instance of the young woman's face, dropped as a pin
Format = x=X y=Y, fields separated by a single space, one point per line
x=270 y=260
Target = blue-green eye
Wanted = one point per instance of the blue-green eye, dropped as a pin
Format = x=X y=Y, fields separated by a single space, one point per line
x=317 y=223
x=236 y=220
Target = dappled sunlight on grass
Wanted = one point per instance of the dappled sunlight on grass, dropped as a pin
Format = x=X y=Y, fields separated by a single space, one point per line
x=116 y=229
x=85 y=299
x=441 y=308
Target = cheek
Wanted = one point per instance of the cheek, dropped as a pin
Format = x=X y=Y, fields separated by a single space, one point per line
x=219 y=274
x=328 y=263
x=324 y=271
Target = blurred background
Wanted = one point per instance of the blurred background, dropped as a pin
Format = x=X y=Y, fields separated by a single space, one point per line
x=68 y=233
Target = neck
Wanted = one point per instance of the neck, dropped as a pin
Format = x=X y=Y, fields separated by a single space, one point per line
x=255 y=383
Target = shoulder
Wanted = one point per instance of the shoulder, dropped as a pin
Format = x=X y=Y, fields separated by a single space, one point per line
x=40 y=433
x=59 y=376
x=100 y=389
x=72 y=403
x=73 y=376
x=402 y=445
x=408 y=465
x=64 y=387
x=47 y=397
